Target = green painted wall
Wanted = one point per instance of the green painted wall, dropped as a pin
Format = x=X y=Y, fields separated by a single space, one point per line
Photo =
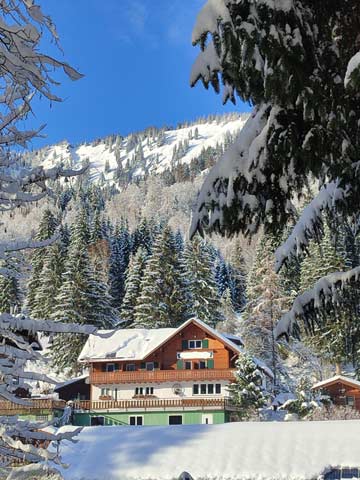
x=47 y=415
x=149 y=418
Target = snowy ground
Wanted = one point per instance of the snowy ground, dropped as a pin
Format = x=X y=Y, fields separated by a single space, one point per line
x=268 y=450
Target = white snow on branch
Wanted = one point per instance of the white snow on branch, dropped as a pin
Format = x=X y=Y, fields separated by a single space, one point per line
x=206 y=65
x=209 y=17
x=243 y=158
x=305 y=228
x=326 y=290
x=353 y=66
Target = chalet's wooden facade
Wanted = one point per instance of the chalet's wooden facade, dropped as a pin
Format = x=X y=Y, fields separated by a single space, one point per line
x=341 y=390
x=168 y=376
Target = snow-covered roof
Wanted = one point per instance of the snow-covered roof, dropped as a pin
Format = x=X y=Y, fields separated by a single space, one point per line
x=123 y=344
x=337 y=378
x=70 y=381
x=234 y=338
x=137 y=344
x=241 y=451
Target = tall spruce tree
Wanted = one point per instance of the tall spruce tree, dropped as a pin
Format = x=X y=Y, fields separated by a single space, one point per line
x=204 y=296
x=337 y=338
x=163 y=299
x=10 y=293
x=82 y=299
x=46 y=229
x=298 y=64
x=247 y=390
x=120 y=250
x=267 y=301
x=134 y=277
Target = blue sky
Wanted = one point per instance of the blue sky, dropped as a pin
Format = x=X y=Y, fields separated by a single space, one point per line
x=136 y=56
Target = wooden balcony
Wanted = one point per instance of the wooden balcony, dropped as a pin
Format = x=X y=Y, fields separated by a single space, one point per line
x=158 y=403
x=34 y=407
x=158 y=376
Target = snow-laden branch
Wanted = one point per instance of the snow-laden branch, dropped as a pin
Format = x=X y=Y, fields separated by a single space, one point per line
x=352 y=75
x=209 y=17
x=326 y=290
x=22 y=323
x=239 y=160
x=306 y=227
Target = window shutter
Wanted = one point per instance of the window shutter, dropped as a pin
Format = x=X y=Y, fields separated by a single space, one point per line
x=142 y=365
x=210 y=363
x=103 y=367
x=205 y=343
x=179 y=364
x=156 y=364
x=116 y=366
x=184 y=344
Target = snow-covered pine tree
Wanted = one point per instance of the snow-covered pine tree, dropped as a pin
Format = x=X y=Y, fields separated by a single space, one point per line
x=10 y=294
x=142 y=236
x=247 y=390
x=46 y=230
x=222 y=276
x=204 y=296
x=120 y=250
x=337 y=338
x=297 y=63
x=237 y=276
x=134 y=277
x=25 y=72
x=50 y=280
x=163 y=299
x=82 y=299
x=232 y=320
x=266 y=302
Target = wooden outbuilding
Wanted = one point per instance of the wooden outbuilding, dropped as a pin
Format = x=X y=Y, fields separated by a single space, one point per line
x=341 y=390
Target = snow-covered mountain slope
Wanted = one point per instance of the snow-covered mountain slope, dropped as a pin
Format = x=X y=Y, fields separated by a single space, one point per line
x=151 y=151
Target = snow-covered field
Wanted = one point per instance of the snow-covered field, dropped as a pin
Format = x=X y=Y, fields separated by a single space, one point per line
x=237 y=451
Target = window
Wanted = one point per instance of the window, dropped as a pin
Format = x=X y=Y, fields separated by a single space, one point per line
x=135 y=420
x=130 y=367
x=149 y=390
x=187 y=365
x=175 y=419
x=111 y=367
x=202 y=364
x=105 y=392
x=42 y=418
x=195 y=343
x=96 y=421
x=350 y=401
x=139 y=391
x=149 y=366
x=206 y=389
x=341 y=473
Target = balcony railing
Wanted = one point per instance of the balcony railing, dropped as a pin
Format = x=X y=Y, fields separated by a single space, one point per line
x=157 y=376
x=34 y=406
x=223 y=403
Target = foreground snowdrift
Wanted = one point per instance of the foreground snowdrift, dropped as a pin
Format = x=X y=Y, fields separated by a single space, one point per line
x=286 y=451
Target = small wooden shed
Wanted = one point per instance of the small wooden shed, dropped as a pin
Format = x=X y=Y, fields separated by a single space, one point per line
x=342 y=390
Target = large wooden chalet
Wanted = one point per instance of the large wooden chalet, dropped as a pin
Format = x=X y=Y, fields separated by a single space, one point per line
x=159 y=377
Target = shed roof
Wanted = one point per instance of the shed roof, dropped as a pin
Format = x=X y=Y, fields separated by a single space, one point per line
x=336 y=379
